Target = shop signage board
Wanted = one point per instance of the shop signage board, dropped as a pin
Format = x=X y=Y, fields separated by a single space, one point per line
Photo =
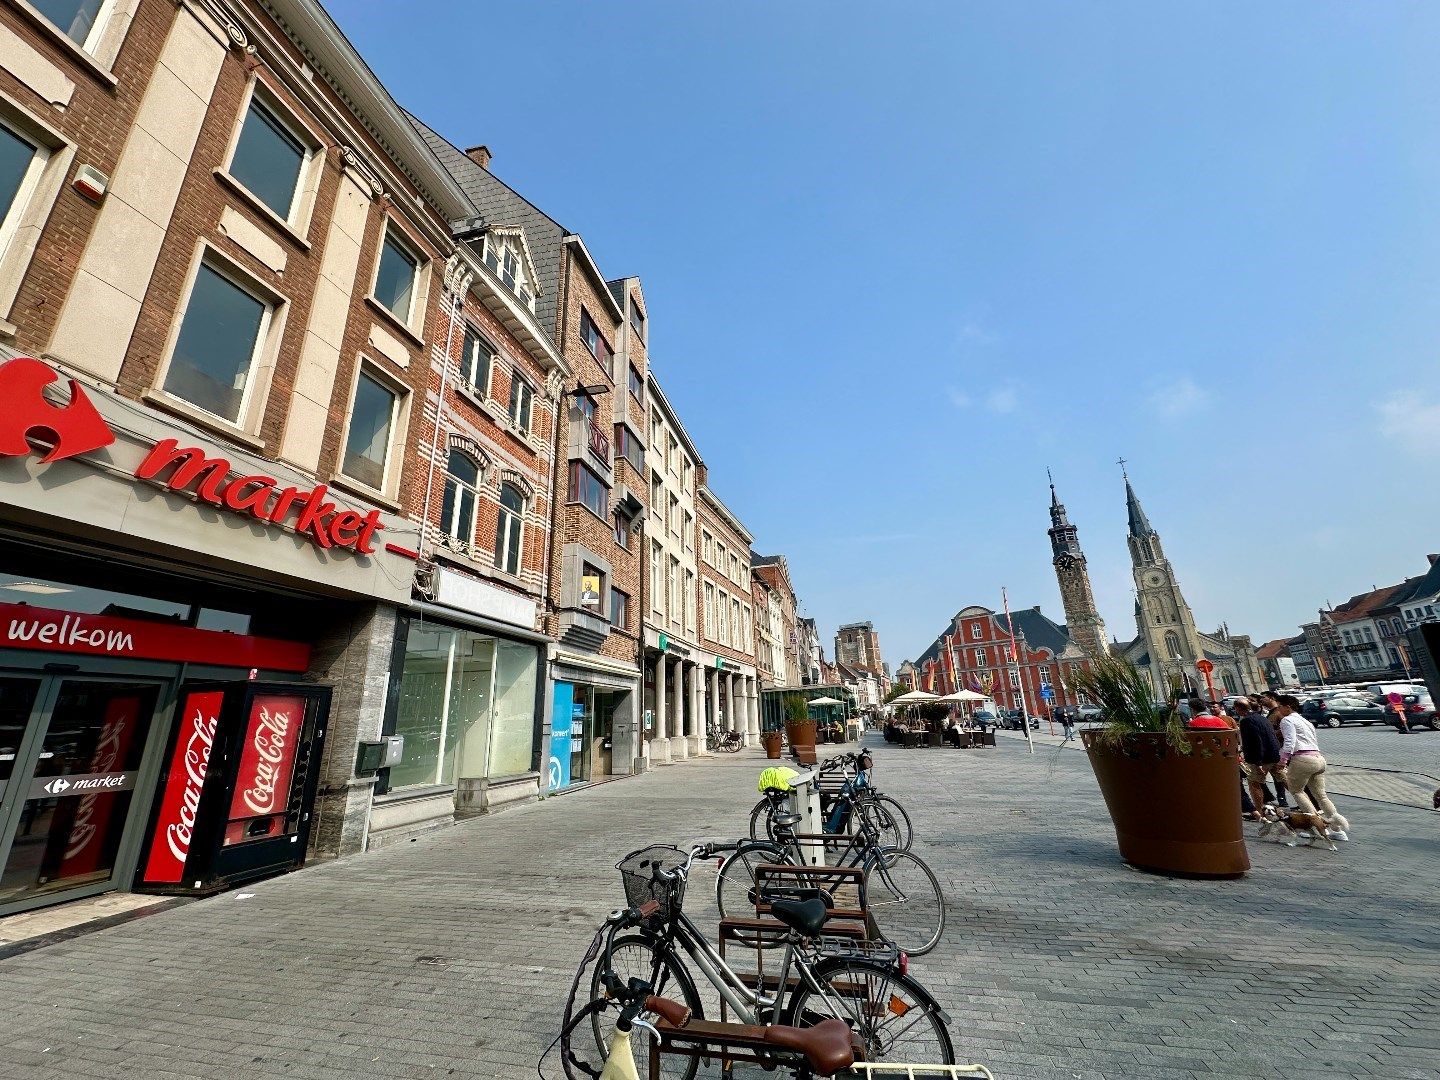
x=47 y=630
x=559 y=765
x=267 y=766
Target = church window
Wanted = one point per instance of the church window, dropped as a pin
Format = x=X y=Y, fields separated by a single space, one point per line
x=1172 y=644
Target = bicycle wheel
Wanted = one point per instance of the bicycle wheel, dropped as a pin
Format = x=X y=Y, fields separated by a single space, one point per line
x=635 y=956
x=898 y=822
x=735 y=884
x=889 y=830
x=895 y=1016
x=904 y=897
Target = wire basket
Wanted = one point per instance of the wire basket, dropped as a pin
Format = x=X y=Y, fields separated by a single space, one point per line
x=637 y=871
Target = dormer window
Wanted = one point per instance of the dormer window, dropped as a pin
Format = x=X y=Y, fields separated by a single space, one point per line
x=505 y=254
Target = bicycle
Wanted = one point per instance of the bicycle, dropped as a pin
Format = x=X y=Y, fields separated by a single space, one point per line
x=902 y=892
x=871 y=993
x=886 y=815
x=723 y=742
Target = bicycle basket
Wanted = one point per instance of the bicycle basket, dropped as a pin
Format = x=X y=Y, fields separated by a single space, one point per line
x=637 y=871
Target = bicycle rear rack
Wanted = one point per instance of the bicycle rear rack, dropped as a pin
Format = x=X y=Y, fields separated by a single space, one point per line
x=895 y=1071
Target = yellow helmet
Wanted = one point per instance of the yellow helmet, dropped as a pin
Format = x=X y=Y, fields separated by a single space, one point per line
x=776 y=778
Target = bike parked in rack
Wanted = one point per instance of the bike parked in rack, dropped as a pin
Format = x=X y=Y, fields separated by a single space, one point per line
x=657 y=946
x=723 y=742
x=887 y=816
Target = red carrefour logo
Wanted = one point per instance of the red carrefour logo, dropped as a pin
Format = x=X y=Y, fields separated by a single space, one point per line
x=76 y=428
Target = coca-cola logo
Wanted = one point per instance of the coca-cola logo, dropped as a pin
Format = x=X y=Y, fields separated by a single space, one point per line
x=271 y=742
x=198 y=744
x=82 y=829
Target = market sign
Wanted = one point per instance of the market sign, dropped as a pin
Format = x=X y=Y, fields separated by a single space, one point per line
x=78 y=428
x=47 y=630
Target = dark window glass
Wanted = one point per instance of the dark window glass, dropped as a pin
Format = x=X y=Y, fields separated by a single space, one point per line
x=74 y=17
x=619 y=608
x=508 y=529
x=457 y=511
x=15 y=157
x=622 y=531
x=587 y=488
x=637 y=383
x=268 y=159
x=475 y=363
x=368 y=443
x=395 y=282
x=595 y=341
x=521 y=399
x=630 y=447
x=637 y=319
x=216 y=345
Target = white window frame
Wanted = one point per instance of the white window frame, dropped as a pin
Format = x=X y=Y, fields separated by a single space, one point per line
x=710 y=626
x=98 y=28
x=398 y=415
x=35 y=198
x=262 y=356
x=403 y=240
x=302 y=199
x=491 y=357
x=722 y=606
x=657 y=577
x=519 y=385
x=690 y=600
x=975 y=633
x=518 y=521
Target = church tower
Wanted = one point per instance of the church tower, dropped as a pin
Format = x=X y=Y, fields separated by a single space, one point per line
x=1082 y=619
x=1162 y=616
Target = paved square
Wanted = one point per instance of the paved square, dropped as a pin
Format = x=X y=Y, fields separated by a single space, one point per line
x=451 y=956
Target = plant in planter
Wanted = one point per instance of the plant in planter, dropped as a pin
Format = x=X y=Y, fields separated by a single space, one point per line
x=799 y=727
x=1172 y=793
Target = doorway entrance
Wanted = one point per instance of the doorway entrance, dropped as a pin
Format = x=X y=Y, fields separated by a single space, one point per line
x=72 y=752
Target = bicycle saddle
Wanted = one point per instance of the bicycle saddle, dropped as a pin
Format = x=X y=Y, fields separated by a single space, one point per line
x=803 y=916
x=785 y=821
x=826 y=1046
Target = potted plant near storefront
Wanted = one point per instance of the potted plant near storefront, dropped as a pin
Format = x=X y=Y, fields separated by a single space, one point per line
x=799 y=728
x=1172 y=793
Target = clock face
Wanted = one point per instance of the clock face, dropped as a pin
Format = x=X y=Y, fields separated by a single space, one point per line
x=1153 y=579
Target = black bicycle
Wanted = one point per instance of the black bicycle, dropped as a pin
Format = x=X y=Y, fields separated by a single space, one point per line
x=902 y=892
x=887 y=816
x=866 y=987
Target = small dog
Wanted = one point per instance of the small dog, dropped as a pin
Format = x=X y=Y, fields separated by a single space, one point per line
x=1287 y=823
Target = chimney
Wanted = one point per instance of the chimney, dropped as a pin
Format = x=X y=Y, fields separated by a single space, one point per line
x=1433 y=559
x=480 y=155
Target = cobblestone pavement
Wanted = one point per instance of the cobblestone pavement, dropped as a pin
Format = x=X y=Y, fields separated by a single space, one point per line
x=451 y=956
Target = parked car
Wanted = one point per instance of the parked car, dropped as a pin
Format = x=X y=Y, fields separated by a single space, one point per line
x=1341 y=710
x=1419 y=713
x=1089 y=714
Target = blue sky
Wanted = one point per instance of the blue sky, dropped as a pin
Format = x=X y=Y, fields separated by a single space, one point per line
x=901 y=257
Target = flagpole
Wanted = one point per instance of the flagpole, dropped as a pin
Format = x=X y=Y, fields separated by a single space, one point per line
x=1019 y=675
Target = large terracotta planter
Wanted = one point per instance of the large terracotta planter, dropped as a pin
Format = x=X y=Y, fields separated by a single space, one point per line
x=1174 y=813
x=772 y=741
x=800 y=733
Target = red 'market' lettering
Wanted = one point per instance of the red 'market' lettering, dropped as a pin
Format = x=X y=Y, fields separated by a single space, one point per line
x=190 y=464
x=313 y=514
x=237 y=498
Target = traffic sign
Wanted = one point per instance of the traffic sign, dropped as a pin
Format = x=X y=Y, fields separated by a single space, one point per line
x=1047 y=692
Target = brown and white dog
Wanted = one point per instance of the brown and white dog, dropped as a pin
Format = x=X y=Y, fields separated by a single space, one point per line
x=1286 y=823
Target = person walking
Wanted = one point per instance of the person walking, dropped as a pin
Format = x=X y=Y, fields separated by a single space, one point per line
x=1304 y=767
x=1260 y=751
x=1067 y=722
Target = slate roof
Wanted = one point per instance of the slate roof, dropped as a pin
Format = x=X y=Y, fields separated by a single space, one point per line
x=1424 y=587
x=1364 y=605
x=1038 y=631
x=499 y=204
x=1139 y=523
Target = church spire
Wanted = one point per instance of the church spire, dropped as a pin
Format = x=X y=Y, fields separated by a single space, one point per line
x=1139 y=523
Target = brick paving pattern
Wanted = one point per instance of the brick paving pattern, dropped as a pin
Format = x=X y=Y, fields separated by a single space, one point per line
x=451 y=956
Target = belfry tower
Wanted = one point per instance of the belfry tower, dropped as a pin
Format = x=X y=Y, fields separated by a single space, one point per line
x=1082 y=618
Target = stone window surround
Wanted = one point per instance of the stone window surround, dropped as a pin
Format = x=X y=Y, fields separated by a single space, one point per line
x=573 y=558
x=31 y=211
x=399 y=432
x=263 y=361
x=412 y=327
x=107 y=37
x=307 y=183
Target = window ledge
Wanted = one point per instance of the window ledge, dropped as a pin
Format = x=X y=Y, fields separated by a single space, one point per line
x=56 y=36
x=253 y=201
x=487 y=570
x=474 y=397
x=8 y=330
x=395 y=321
x=414 y=794
x=365 y=491
x=209 y=421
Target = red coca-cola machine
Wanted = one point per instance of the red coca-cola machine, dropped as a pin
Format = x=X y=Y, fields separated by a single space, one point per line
x=238 y=788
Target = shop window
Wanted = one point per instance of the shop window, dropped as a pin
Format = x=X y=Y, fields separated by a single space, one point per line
x=509 y=528
x=475 y=363
x=462 y=497
x=522 y=400
x=269 y=158
x=79 y=20
x=220 y=338
x=372 y=420
x=396 y=278
x=589 y=490
x=466 y=707
x=619 y=609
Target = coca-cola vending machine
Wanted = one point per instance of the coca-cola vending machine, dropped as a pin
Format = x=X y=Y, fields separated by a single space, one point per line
x=236 y=798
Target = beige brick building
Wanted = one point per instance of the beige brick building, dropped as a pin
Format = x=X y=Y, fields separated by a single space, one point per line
x=727 y=616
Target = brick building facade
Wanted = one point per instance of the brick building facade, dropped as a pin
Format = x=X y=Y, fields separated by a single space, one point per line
x=727 y=616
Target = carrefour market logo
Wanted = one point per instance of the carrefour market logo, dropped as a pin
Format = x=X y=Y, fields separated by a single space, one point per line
x=78 y=428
